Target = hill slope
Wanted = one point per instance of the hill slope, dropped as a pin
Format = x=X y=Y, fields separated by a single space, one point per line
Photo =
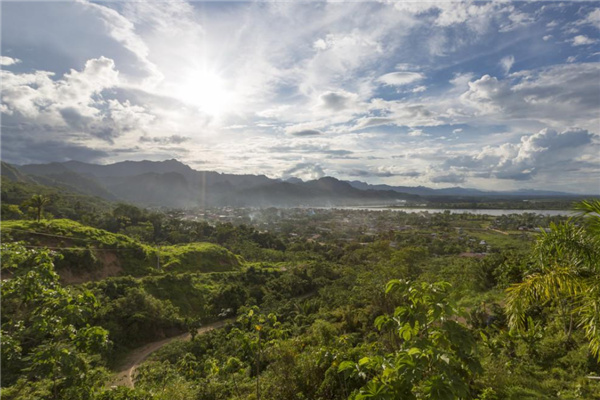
x=91 y=254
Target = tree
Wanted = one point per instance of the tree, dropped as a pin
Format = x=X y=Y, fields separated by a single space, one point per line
x=566 y=274
x=434 y=356
x=38 y=201
x=48 y=347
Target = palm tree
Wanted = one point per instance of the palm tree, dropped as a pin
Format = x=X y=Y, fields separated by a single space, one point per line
x=566 y=274
x=38 y=202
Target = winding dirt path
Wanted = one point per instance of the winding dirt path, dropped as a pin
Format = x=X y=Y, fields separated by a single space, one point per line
x=124 y=375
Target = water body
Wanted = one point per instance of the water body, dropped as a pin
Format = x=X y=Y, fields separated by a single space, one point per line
x=493 y=212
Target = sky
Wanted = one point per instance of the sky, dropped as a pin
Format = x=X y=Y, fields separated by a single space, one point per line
x=492 y=95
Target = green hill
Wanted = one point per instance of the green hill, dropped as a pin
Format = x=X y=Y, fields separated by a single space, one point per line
x=198 y=257
x=64 y=203
x=91 y=254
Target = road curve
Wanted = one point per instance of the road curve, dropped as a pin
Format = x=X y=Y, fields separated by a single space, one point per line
x=124 y=375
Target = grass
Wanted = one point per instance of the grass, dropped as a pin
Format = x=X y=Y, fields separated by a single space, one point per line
x=198 y=257
x=499 y=240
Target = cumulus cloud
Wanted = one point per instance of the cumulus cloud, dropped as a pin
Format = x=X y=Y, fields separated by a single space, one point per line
x=337 y=101
x=562 y=94
x=547 y=150
x=305 y=171
x=37 y=94
x=582 y=40
x=7 y=61
x=73 y=102
x=318 y=74
x=416 y=132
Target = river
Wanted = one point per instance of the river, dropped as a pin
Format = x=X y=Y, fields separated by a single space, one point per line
x=493 y=212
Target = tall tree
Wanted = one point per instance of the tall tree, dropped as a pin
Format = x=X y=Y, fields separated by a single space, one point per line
x=566 y=272
x=39 y=201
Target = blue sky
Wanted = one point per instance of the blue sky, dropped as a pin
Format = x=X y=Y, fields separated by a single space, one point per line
x=493 y=95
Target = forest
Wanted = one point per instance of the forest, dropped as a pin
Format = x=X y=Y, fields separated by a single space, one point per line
x=305 y=304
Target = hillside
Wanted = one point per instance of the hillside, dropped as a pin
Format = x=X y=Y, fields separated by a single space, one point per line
x=65 y=202
x=91 y=254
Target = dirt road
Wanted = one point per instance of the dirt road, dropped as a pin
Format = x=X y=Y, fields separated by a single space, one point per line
x=124 y=375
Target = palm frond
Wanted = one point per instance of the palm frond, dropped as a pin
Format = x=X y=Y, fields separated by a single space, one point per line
x=589 y=312
x=540 y=288
x=567 y=244
x=589 y=212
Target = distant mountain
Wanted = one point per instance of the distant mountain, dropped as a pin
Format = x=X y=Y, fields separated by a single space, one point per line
x=458 y=191
x=13 y=173
x=173 y=184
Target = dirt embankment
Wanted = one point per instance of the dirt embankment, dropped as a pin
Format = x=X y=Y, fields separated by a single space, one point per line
x=109 y=266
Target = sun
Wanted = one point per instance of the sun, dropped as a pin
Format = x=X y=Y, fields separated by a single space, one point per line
x=208 y=91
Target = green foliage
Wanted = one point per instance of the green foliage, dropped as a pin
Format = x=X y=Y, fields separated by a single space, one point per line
x=565 y=272
x=434 y=356
x=323 y=329
x=64 y=203
x=90 y=249
x=198 y=257
x=49 y=349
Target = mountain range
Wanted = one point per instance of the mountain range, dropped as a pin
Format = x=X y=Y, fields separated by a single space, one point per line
x=171 y=183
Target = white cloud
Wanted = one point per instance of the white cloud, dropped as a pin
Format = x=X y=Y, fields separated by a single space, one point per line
x=582 y=40
x=74 y=101
x=306 y=171
x=544 y=152
x=417 y=132
x=559 y=96
x=366 y=122
x=592 y=18
x=123 y=31
x=293 y=72
x=400 y=78
x=6 y=61
x=337 y=101
x=507 y=63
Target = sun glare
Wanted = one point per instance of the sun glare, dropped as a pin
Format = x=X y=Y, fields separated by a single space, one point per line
x=207 y=91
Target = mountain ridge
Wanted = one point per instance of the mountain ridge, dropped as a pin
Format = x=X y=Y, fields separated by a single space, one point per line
x=171 y=183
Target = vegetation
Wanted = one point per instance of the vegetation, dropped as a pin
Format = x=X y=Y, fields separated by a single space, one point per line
x=567 y=274
x=328 y=304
